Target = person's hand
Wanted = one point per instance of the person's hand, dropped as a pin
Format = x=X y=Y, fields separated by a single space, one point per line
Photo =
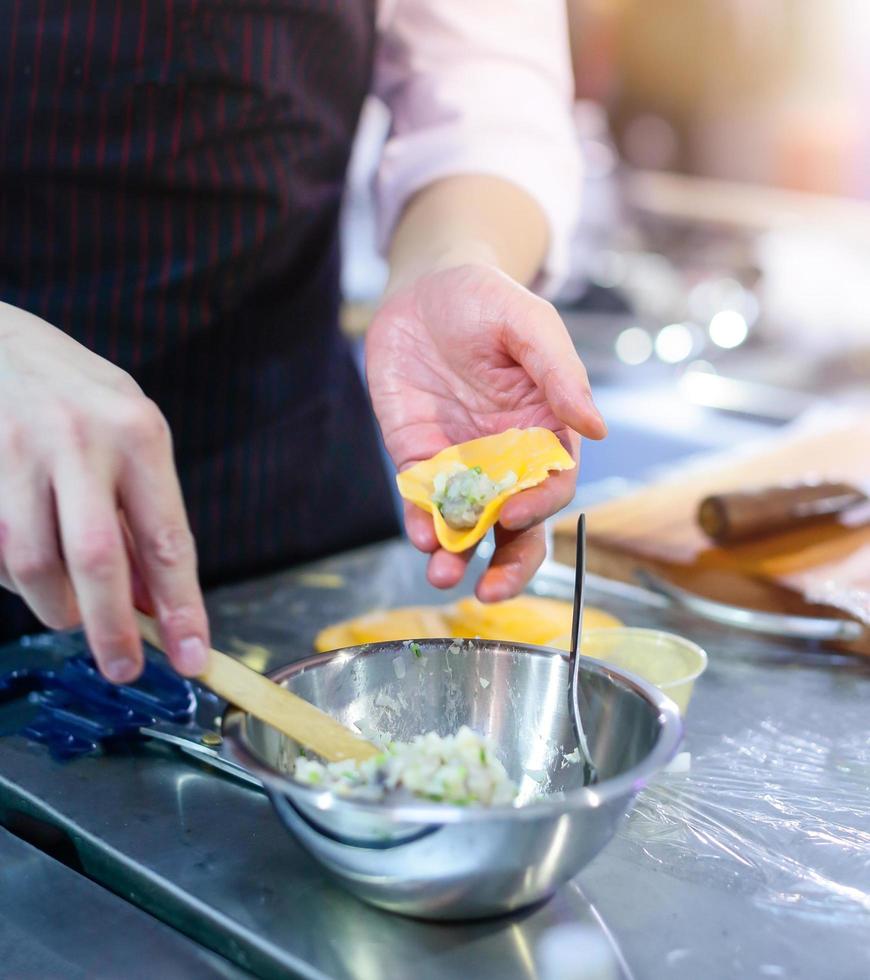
x=467 y=352
x=90 y=505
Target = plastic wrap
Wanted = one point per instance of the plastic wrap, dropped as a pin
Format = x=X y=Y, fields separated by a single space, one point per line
x=779 y=817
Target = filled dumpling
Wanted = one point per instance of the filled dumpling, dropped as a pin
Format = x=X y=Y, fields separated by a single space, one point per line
x=465 y=486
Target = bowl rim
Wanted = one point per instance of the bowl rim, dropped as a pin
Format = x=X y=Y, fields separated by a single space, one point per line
x=630 y=782
x=646 y=631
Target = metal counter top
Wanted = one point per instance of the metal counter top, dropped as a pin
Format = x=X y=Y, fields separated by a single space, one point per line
x=754 y=863
x=56 y=923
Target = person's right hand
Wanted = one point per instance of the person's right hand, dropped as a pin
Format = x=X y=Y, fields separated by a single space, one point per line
x=90 y=504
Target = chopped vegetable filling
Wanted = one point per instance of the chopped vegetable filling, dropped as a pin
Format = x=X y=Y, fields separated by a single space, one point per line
x=461 y=496
x=461 y=769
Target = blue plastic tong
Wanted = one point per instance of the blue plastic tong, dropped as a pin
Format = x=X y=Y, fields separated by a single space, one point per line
x=77 y=711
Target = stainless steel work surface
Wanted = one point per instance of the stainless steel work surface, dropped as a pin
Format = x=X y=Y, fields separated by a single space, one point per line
x=55 y=923
x=755 y=862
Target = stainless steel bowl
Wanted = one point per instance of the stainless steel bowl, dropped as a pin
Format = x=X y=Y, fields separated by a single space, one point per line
x=448 y=862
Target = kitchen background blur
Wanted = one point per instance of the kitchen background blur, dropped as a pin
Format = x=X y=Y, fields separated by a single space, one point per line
x=721 y=272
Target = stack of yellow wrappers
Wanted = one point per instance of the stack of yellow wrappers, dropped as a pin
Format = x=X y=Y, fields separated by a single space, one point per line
x=526 y=619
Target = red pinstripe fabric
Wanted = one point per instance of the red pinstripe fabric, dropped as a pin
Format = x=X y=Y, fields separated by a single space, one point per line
x=53 y=206
x=35 y=87
x=140 y=43
x=116 y=37
x=169 y=38
x=175 y=169
x=10 y=75
x=142 y=265
x=89 y=45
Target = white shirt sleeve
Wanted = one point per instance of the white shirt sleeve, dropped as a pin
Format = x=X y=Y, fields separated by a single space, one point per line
x=484 y=87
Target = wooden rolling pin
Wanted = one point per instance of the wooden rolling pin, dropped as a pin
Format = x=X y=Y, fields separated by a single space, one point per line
x=731 y=517
x=252 y=692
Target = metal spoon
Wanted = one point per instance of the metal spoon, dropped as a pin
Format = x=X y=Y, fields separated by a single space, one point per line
x=590 y=773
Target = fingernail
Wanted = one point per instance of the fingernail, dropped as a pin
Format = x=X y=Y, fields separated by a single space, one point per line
x=120 y=670
x=192 y=656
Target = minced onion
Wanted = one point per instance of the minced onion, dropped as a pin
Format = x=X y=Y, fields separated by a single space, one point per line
x=462 y=495
x=461 y=769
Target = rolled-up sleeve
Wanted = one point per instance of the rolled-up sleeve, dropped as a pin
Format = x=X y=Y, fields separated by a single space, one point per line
x=482 y=87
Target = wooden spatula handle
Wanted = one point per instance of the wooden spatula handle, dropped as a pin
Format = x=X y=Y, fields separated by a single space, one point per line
x=252 y=692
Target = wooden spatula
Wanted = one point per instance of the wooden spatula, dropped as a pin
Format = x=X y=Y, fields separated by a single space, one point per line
x=271 y=703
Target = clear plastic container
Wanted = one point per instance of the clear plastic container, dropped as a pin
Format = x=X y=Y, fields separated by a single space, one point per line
x=671 y=662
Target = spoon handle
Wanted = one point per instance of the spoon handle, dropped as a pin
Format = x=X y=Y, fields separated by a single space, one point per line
x=590 y=772
x=579 y=598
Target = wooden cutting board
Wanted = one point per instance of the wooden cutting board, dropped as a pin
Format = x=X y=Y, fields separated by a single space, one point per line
x=818 y=570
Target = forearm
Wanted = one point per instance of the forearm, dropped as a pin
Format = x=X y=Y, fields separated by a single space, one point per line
x=469 y=219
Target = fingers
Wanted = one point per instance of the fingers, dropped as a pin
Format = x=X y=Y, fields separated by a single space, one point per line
x=30 y=560
x=520 y=541
x=141 y=596
x=165 y=555
x=93 y=547
x=517 y=556
x=537 y=339
x=420 y=529
x=446 y=568
x=516 y=559
x=86 y=561
x=93 y=443
x=537 y=504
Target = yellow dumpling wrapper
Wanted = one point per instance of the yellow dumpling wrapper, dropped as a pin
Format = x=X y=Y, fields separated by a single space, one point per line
x=408 y=623
x=526 y=619
x=531 y=454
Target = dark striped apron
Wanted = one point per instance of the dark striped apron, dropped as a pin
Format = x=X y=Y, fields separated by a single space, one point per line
x=170 y=179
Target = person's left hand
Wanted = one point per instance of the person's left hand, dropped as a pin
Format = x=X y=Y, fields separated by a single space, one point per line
x=467 y=352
